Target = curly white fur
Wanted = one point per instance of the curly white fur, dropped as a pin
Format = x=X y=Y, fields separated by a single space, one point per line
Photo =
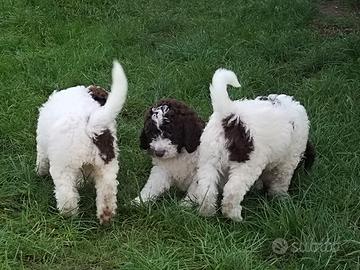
x=68 y=124
x=279 y=129
x=178 y=171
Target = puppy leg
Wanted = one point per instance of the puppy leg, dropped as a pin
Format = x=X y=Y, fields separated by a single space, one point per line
x=279 y=181
x=190 y=197
x=106 y=190
x=241 y=177
x=158 y=183
x=207 y=190
x=66 y=194
x=42 y=162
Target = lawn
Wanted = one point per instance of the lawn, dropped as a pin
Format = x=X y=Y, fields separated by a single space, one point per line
x=169 y=48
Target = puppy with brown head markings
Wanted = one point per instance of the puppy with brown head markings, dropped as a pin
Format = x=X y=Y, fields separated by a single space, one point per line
x=171 y=135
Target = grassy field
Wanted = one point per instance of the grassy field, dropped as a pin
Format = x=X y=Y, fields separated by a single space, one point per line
x=171 y=49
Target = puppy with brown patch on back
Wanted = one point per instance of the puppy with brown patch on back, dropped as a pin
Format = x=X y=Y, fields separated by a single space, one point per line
x=250 y=141
x=171 y=135
x=76 y=132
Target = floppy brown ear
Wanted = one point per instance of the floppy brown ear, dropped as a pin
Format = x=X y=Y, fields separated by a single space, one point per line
x=193 y=128
x=144 y=140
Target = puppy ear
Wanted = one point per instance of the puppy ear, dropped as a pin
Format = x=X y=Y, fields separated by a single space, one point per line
x=144 y=140
x=193 y=128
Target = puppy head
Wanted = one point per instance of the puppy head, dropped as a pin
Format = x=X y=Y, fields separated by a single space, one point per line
x=169 y=127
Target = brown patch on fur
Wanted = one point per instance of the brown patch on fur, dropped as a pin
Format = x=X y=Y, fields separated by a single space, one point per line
x=99 y=94
x=105 y=143
x=239 y=142
x=106 y=216
x=183 y=126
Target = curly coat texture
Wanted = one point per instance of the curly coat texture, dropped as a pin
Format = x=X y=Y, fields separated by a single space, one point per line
x=171 y=135
x=77 y=131
x=248 y=140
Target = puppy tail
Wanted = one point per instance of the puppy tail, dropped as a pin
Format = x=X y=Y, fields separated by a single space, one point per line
x=102 y=117
x=218 y=89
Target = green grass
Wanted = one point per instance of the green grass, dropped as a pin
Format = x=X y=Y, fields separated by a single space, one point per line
x=171 y=49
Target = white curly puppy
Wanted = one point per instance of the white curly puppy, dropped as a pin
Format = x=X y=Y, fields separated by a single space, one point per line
x=77 y=131
x=247 y=140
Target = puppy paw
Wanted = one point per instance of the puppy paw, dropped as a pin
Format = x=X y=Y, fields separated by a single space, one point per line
x=207 y=210
x=187 y=203
x=41 y=171
x=233 y=213
x=141 y=201
x=106 y=215
x=68 y=209
x=136 y=201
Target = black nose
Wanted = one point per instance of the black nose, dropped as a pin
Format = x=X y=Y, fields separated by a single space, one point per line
x=159 y=153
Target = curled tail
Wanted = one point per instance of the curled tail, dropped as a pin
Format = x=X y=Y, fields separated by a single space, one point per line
x=102 y=117
x=218 y=89
x=309 y=156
